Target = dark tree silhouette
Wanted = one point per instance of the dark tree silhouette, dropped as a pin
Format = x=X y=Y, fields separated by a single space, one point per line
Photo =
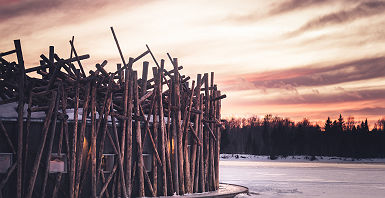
x=275 y=136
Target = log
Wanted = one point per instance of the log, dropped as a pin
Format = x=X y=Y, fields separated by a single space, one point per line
x=77 y=59
x=120 y=160
x=50 y=144
x=140 y=163
x=74 y=141
x=128 y=156
x=200 y=150
x=179 y=131
x=20 y=109
x=186 y=124
x=206 y=134
x=162 y=131
x=211 y=128
x=144 y=79
x=81 y=138
x=64 y=129
x=47 y=121
x=108 y=180
x=141 y=56
x=148 y=183
x=93 y=140
x=194 y=132
x=155 y=126
x=218 y=141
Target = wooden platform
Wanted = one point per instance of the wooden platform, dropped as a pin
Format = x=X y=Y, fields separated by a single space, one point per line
x=225 y=191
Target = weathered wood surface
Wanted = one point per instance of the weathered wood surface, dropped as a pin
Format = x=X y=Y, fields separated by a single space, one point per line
x=113 y=112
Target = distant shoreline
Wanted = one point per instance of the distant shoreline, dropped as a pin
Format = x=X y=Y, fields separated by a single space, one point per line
x=300 y=158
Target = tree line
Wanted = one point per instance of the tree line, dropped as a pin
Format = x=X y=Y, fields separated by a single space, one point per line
x=276 y=136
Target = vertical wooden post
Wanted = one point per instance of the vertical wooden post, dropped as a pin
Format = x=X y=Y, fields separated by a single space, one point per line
x=20 y=109
x=81 y=138
x=51 y=59
x=140 y=165
x=64 y=129
x=26 y=149
x=125 y=103
x=155 y=132
x=128 y=156
x=178 y=119
x=206 y=133
x=74 y=139
x=50 y=144
x=174 y=141
x=211 y=140
x=201 y=149
x=35 y=167
x=93 y=140
x=120 y=160
x=196 y=127
x=218 y=151
x=163 y=142
x=186 y=124
x=144 y=78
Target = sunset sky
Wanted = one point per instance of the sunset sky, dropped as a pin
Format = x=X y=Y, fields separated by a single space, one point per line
x=290 y=58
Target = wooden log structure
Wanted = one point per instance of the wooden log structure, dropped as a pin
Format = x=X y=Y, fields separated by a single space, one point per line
x=109 y=133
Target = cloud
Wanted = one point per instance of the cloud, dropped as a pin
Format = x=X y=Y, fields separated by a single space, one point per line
x=319 y=75
x=325 y=98
x=364 y=9
x=292 y=5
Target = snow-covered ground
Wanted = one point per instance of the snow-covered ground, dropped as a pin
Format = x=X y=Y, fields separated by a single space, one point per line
x=330 y=177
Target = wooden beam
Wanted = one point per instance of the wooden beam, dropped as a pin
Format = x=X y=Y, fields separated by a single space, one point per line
x=35 y=166
x=20 y=110
x=140 y=162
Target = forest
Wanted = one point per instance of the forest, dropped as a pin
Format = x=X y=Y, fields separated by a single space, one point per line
x=276 y=136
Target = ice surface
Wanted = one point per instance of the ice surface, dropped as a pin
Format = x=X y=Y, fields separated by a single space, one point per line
x=332 y=177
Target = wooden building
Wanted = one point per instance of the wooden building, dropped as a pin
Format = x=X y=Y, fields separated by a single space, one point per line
x=106 y=134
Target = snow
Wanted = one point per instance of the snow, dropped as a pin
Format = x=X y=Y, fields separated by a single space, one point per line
x=9 y=112
x=330 y=177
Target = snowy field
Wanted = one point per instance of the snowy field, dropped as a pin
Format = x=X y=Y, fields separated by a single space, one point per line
x=330 y=177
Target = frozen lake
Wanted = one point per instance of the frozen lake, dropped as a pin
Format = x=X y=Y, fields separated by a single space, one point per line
x=305 y=179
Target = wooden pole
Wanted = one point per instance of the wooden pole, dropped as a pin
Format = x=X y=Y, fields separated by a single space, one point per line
x=28 y=126
x=162 y=129
x=64 y=129
x=148 y=183
x=155 y=136
x=138 y=137
x=108 y=180
x=77 y=59
x=20 y=109
x=179 y=130
x=93 y=140
x=128 y=156
x=211 y=141
x=206 y=133
x=196 y=121
x=201 y=149
x=120 y=160
x=50 y=144
x=74 y=140
x=81 y=138
x=144 y=79
x=218 y=142
x=31 y=183
x=186 y=124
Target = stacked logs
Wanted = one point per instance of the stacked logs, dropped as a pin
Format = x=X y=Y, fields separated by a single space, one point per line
x=177 y=123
